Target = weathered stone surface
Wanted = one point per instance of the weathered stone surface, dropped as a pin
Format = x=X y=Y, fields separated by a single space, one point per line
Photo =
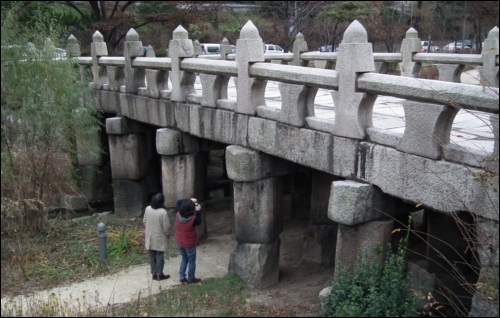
x=73 y=202
x=128 y=156
x=174 y=142
x=129 y=198
x=246 y=165
x=256 y=210
x=432 y=182
x=318 y=244
x=256 y=264
x=157 y=112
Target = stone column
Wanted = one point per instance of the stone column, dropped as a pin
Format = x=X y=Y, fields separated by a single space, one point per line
x=182 y=82
x=299 y=46
x=98 y=48
x=411 y=45
x=258 y=221
x=450 y=72
x=250 y=91
x=363 y=212
x=184 y=170
x=353 y=110
x=489 y=70
x=134 y=78
x=129 y=165
x=320 y=241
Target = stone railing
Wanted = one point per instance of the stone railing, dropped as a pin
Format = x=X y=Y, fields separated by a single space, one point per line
x=431 y=106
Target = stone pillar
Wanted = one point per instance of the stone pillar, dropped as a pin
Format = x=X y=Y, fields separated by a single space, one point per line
x=489 y=70
x=353 y=110
x=129 y=165
x=321 y=236
x=363 y=212
x=183 y=173
x=225 y=49
x=411 y=45
x=73 y=47
x=98 y=48
x=299 y=46
x=250 y=91
x=182 y=82
x=258 y=221
x=134 y=78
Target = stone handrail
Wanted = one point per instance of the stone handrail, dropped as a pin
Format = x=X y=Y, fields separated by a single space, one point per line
x=432 y=104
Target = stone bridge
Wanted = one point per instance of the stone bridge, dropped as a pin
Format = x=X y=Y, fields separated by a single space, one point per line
x=355 y=183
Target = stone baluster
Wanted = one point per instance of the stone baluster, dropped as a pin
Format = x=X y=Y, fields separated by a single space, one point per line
x=411 y=45
x=49 y=48
x=156 y=80
x=353 y=110
x=98 y=48
x=450 y=72
x=427 y=128
x=489 y=70
x=299 y=46
x=182 y=81
x=73 y=51
x=297 y=102
x=134 y=78
x=197 y=48
x=225 y=49
x=494 y=157
x=73 y=47
x=250 y=91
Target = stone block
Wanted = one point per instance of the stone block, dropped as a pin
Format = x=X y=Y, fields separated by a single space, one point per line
x=129 y=198
x=256 y=210
x=174 y=142
x=74 y=202
x=256 y=264
x=129 y=156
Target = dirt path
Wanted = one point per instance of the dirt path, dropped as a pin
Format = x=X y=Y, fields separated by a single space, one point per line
x=297 y=289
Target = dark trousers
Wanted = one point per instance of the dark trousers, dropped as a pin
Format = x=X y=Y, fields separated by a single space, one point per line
x=156 y=262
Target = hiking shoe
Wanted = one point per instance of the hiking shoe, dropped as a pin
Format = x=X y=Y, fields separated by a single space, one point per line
x=183 y=281
x=155 y=277
x=194 y=281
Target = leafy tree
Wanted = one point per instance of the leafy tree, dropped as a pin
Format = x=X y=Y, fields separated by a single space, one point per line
x=337 y=16
x=289 y=18
x=42 y=113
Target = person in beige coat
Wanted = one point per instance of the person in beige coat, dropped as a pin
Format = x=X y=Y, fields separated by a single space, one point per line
x=157 y=235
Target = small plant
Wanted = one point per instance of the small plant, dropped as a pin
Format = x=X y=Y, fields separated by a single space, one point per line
x=373 y=289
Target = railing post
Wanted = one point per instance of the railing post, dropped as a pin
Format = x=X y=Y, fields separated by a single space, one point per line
x=182 y=82
x=225 y=49
x=299 y=46
x=489 y=71
x=98 y=48
x=103 y=250
x=411 y=45
x=73 y=47
x=250 y=91
x=134 y=78
x=353 y=110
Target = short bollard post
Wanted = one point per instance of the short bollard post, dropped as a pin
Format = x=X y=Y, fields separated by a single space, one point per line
x=103 y=251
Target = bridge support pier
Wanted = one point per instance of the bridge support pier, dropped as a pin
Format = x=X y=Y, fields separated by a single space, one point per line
x=183 y=167
x=129 y=188
x=363 y=212
x=258 y=218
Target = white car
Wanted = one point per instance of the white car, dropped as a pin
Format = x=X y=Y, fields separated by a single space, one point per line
x=429 y=49
x=273 y=48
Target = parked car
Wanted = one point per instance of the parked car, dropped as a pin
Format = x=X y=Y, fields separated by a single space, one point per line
x=210 y=48
x=273 y=48
x=328 y=48
x=429 y=49
x=457 y=47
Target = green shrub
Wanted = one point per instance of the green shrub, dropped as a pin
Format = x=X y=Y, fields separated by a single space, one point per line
x=372 y=290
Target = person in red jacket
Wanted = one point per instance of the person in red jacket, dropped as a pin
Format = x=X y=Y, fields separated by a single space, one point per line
x=186 y=220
